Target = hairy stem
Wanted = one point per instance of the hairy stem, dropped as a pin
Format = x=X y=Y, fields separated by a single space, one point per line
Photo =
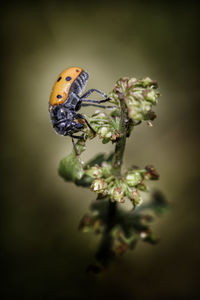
x=121 y=141
x=105 y=253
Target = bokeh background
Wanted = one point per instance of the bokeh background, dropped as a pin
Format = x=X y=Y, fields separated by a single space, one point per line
x=43 y=255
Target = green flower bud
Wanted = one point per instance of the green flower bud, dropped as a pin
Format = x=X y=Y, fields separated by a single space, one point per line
x=148 y=82
x=95 y=171
x=118 y=194
x=114 y=98
x=105 y=132
x=99 y=186
x=139 y=96
x=106 y=170
x=133 y=178
x=132 y=81
x=150 y=95
x=142 y=187
x=137 y=199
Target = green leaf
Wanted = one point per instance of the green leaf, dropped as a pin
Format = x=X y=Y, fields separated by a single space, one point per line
x=70 y=168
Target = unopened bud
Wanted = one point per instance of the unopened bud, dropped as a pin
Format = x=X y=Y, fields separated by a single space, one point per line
x=137 y=199
x=95 y=171
x=133 y=178
x=142 y=187
x=148 y=82
x=98 y=185
x=103 y=131
x=118 y=194
x=150 y=95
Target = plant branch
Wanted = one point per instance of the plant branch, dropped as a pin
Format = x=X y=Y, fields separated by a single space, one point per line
x=121 y=140
x=133 y=100
x=105 y=253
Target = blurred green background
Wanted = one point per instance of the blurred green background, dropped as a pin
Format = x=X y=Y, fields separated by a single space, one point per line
x=43 y=255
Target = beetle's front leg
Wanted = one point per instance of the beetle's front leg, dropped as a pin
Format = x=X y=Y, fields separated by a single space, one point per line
x=95 y=101
x=89 y=92
x=97 y=105
x=74 y=145
x=88 y=124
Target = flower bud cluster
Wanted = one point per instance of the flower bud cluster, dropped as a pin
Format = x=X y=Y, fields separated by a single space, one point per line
x=121 y=243
x=139 y=95
x=91 y=222
x=119 y=189
x=129 y=227
x=105 y=125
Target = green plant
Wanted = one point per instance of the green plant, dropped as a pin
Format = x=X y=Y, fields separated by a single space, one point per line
x=132 y=101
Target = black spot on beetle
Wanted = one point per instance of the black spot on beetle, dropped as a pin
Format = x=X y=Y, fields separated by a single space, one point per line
x=68 y=78
x=77 y=70
x=59 y=78
x=59 y=96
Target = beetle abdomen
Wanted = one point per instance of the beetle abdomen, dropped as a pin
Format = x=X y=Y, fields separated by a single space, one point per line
x=79 y=83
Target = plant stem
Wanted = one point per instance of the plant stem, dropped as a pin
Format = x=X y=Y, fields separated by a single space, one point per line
x=121 y=141
x=119 y=147
x=105 y=253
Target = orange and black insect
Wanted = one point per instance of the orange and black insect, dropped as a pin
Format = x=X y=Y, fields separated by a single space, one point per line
x=66 y=100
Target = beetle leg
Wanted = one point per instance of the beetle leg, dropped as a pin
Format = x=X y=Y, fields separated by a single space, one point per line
x=74 y=145
x=88 y=124
x=102 y=106
x=95 y=101
x=80 y=137
x=89 y=92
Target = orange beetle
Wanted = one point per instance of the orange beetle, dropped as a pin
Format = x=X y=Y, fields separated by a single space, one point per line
x=65 y=101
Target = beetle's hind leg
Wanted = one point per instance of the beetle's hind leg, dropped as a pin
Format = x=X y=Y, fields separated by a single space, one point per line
x=89 y=92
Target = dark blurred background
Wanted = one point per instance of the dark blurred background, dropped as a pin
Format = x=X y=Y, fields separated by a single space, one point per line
x=43 y=255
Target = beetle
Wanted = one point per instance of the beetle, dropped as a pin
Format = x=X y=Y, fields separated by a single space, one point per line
x=66 y=100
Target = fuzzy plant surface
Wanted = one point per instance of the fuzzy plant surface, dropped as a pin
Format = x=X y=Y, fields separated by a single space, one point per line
x=132 y=101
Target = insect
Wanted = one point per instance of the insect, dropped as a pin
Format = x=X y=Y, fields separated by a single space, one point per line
x=66 y=100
